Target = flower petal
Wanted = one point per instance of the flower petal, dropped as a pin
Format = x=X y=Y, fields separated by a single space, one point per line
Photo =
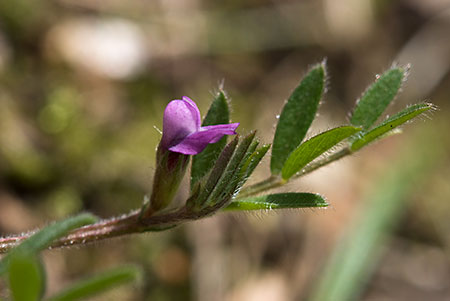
x=196 y=142
x=224 y=129
x=195 y=110
x=181 y=118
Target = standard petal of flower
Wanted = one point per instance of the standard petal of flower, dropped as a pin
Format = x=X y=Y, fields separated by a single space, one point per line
x=195 y=109
x=196 y=142
x=181 y=118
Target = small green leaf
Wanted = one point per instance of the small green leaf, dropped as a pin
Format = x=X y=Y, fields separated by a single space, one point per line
x=26 y=277
x=297 y=116
x=390 y=124
x=214 y=176
x=218 y=113
x=251 y=149
x=46 y=236
x=314 y=147
x=253 y=161
x=98 y=284
x=278 y=201
x=377 y=97
x=246 y=166
x=230 y=176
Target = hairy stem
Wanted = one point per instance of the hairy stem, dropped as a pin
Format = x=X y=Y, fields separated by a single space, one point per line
x=101 y=230
x=118 y=226
x=134 y=223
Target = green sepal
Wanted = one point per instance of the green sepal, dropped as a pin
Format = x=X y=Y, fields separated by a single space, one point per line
x=278 y=201
x=297 y=116
x=315 y=147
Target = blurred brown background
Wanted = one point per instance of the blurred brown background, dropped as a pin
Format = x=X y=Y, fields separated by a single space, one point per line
x=84 y=83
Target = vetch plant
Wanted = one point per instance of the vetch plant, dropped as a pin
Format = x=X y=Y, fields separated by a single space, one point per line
x=220 y=168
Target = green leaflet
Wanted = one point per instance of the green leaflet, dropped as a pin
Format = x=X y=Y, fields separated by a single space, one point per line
x=204 y=191
x=314 y=147
x=377 y=97
x=26 y=277
x=389 y=124
x=239 y=173
x=232 y=169
x=202 y=163
x=98 y=284
x=297 y=116
x=278 y=201
x=253 y=161
x=231 y=176
x=46 y=236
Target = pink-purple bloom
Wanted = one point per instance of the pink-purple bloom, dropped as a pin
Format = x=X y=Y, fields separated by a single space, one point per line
x=182 y=136
x=182 y=130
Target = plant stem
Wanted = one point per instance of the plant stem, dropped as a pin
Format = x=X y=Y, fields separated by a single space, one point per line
x=101 y=230
x=276 y=181
x=118 y=226
x=133 y=223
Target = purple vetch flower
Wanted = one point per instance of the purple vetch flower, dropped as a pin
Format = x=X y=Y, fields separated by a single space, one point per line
x=182 y=130
x=182 y=136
